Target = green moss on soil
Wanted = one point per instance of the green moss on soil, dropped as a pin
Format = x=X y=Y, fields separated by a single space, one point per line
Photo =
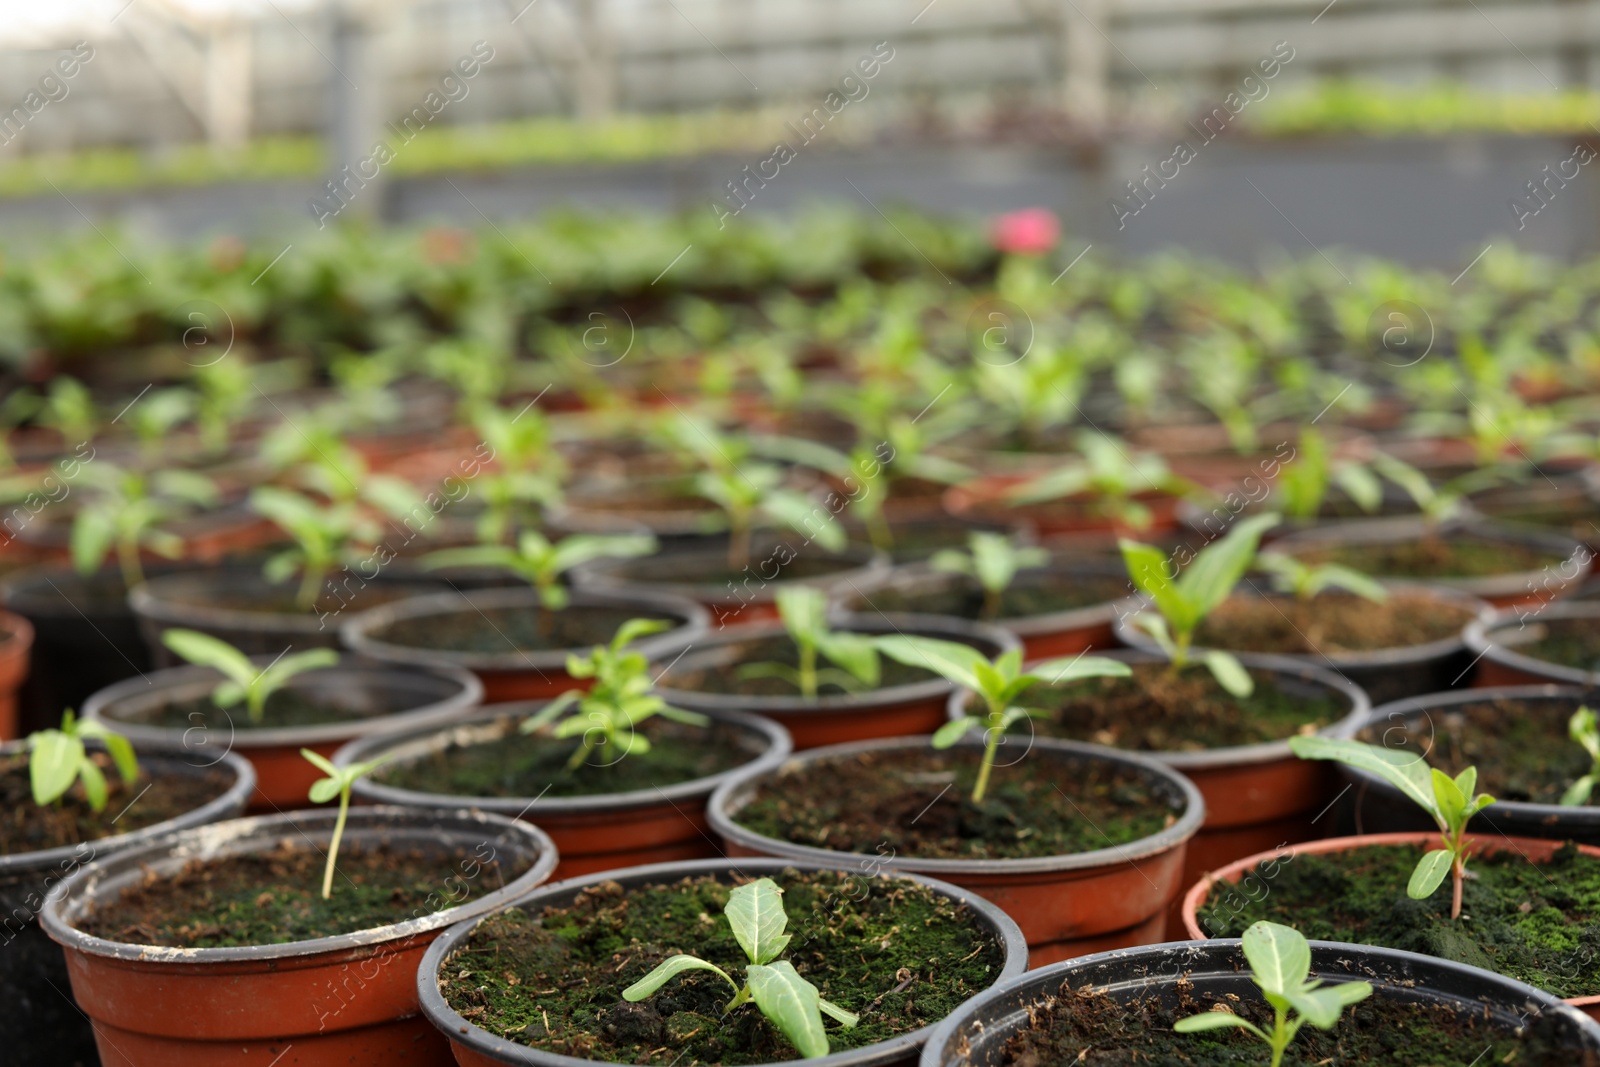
x=888 y=949
x=26 y=827
x=1158 y=710
x=276 y=897
x=695 y=674
x=1536 y=923
x=1455 y=556
x=917 y=802
x=519 y=765
x=504 y=631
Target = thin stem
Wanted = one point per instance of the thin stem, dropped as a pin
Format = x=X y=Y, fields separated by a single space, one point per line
x=738 y=542
x=989 y=749
x=582 y=754
x=878 y=531
x=128 y=561
x=1458 y=875
x=991 y=603
x=333 y=846
x=310 y=586
x=808 y=669
x=1281 y=1036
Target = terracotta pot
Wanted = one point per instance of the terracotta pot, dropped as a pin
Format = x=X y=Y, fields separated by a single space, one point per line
x=1495 y=641
x=41 y=1025
x=753 y=598
x=891 y=711
x=16 y=641
x=601 y=832
x=922 y=590
x=513 y=674
x=983 y=500
x=1384 y=674
x=1502 y=590
x=1257 y=796
x=1065 y=905
x=1531 y=849
x=476 y=1047
x=380 y=697
x=349 y=999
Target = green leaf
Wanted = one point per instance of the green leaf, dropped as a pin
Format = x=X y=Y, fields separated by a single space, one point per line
x=951 y=561
x=53 y=762
x=1280 y=958
x=287 y=667
x=948 y=659
x=1578 y=793
x=955 y=730
x=1147 y=569
x=755 y=913
x=1448 y=797
x=1074 y=668
x=93 y=533
x=320 y=762
x=1229 y=673
x=838 y=1014
x=550 y=712
x=634 y=629
x=325 y=789
x=1156 y=626
x=1322 y=1006
x=1215 y=1020
x=856 y=653
x=1467 y=782
x=1431 y=871
x=1361 y=484
x=1336 y=576
x=1208 y=580
x=94 y=784
x=119 y=747
x=994 y=560
x=203 y=650
x=791 y=1004
x=665 y=971
x=804 y=611
x=1406 y=771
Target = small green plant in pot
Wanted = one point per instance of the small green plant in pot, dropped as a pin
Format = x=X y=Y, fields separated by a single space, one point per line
x=999 y=684
x=1304 y=581
x=1109 y=475
x=1182 y=604
x=804 y=612
x=324 y=535
x=993 y=560
x=1280 y=965
x=57 y=758
x=125 y=512
x=1584 y=728
x=242 y=679
x=755 y=915
x=1451 y=802
x=338 y=783
x=607 y=716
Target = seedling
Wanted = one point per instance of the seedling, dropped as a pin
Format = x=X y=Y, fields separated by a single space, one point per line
x=1181 y=605
x=994 y=560
x=804 y=611
x=57 y=758
x=1289 y=575
x=999 y=684
x=126 y=512
x=338 y=782
x=527 y=471
x=792 y=1004
x=1280 y=965
x=1303 y=484
x=153 y=416
x=542 y=563
x=1584 y=729
x=323 y=535
x=606 y=716
x=242 y=680
x=1108 y=474
x=1451 y=802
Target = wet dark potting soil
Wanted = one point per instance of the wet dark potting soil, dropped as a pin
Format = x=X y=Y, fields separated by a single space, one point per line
x=1033 y=593
x=505 y=630
x=1521 y=750
x=522 y=765
x=280 y=600
x=731 y=679
x=1158 y=710
x=1537 y=923
x=1452 y=556
x=1571 y=643
x=785 y=562
x=276 y=897
x=285 y=708
x=26 y=827
x=1330 y=623
x=918 y=803
x=891 y=951
x=1090 y=1028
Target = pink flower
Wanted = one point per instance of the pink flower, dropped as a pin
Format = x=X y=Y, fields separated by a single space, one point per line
x=1029 y=232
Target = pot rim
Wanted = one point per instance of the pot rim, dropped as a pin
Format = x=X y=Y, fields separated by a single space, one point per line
x=176 y=683
x=456 y=1028
x=1398 y=656
x=1421 y=705
x=1479 y=637
x=942 y=626
x=1236 y=755
x=862 y=564
x=18 y=864
x=148 y=605
x=221 y=839
x=734 y=793
x=779 y=746
x=358 y=632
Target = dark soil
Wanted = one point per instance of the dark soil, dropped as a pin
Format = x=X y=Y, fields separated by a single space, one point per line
x=285 y=708
x=1571 y=643
x=1569 y=510
x=1035 y=592
x=1521 y=749
x=501 y=631
x=280 y=600
x=520 y=765
x=1091 y=1028
x=1331 y=623
x=276 y=897
x=26 y=827
x=917 y=802
x=917 y=539
x=1456 y=555
x=1536 y=923
x=1159 y=710
x=891 y=951
x=787 y=562
x=718 y=670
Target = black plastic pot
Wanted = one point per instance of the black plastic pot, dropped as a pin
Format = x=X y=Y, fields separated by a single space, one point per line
x=593 y=833
x=84 y=638
x=193 y=600
x=514 y=674
x=379 y=696
x=41 y=1025
x=1495 y=640
x=892 y=711
x=337 y=1000
x=1384 y=674
x=1565 y=504
x=975 y=1035
x=475 y=1047
x=1378 y=807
